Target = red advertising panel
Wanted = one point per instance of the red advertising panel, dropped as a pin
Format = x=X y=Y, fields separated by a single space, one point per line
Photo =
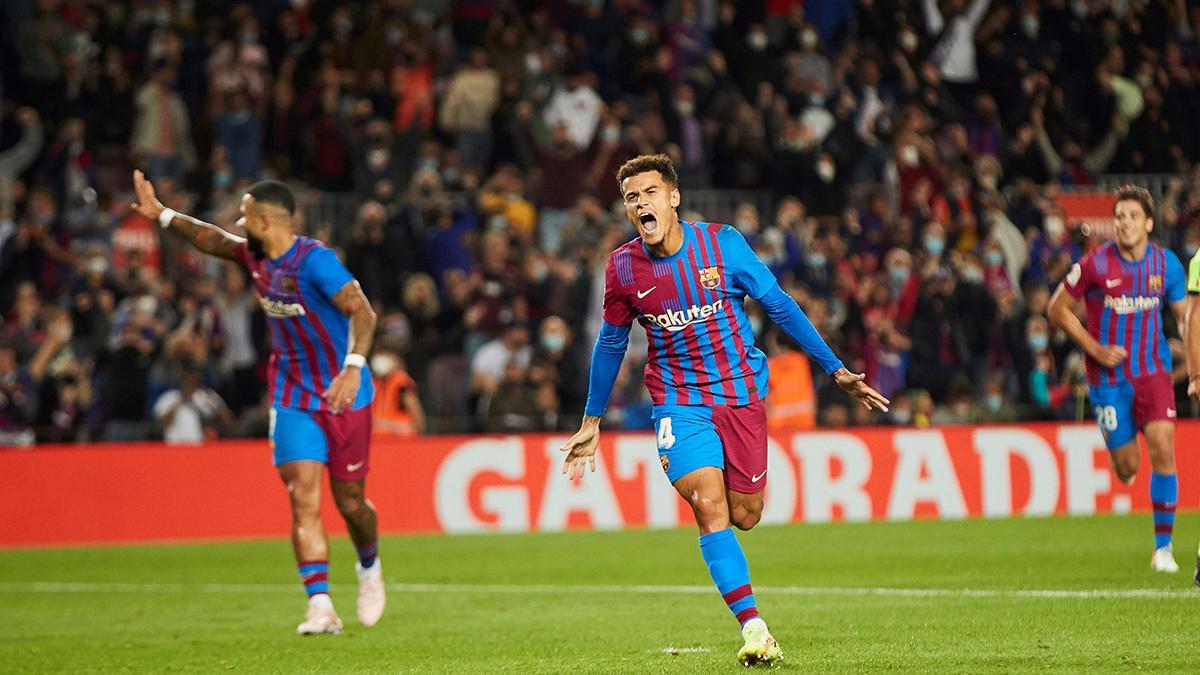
x=151 y=492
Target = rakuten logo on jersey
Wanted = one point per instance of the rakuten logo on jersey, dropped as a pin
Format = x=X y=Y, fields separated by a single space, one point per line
x=281 y=310
x=678 y=320
x=1125 y=304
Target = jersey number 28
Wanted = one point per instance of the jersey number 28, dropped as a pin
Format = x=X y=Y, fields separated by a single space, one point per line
x=1106 y=415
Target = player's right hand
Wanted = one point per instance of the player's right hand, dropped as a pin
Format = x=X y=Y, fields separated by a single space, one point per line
x=147 y=203
x=581 y=450
x=1194 y=388
x=1110 y=356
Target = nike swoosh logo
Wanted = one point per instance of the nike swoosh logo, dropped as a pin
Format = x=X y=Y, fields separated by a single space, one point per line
x=355 y=467
x=757 y=478
x=1112 y=283
x=648 y=291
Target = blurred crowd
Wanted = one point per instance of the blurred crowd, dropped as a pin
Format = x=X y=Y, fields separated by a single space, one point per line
x=459 y=155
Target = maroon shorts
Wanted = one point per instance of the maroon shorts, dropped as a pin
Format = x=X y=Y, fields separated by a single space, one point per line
x=1153 y=399
x=348 y=435
x=732 y=438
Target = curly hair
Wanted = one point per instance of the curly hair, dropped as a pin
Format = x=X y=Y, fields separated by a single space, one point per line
x=643 y=163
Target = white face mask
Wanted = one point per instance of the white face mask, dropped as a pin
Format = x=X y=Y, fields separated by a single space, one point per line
x=826 y=171
x=1054 y=226
x=383 y=364
x=908 y=41
x=909 y=155
x=758 y=41
x=147 y=304
x=533 y=64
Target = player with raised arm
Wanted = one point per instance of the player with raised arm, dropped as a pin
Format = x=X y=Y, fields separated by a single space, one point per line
x=321 y=328
x=1191 y=347
x=1125 y=285
x=685 y=283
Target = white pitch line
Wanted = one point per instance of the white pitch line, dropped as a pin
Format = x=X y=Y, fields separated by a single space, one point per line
x=1083 y=594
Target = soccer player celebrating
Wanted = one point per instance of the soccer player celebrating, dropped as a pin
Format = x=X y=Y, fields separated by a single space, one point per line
x=1125 y=284
x=321 y=328
x=685 y=284
x=1191 y=347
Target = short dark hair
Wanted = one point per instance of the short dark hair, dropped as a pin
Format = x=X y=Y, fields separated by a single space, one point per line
x=1136 y=193
x=274 y=193
x=644 y=163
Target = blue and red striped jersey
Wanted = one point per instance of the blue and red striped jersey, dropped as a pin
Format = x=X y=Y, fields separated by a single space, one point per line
x=1124 y=307
x=701 y=346
x=309 y=334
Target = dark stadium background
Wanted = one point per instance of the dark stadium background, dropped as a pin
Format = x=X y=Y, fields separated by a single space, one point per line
x=460 y=157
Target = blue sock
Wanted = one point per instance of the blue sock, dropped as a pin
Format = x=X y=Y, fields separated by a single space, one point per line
x=367 y=555
x=1164 y=491
x=730 y=572
x=315 y=575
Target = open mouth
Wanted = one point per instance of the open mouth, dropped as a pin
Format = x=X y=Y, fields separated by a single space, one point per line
x=649 y=222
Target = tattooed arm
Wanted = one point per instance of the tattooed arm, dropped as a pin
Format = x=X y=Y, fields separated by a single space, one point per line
x=351 y=301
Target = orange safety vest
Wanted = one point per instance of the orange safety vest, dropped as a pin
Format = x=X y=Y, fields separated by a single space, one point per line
x=792 y=404
x=388 y=416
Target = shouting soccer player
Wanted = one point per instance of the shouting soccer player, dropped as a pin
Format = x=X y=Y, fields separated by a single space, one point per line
x=321 y=328
x=1191 y=347
x=685 y=284
x=1124 y=285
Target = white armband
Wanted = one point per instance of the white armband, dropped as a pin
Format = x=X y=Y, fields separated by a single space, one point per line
x=355 y=360
x=165 y=218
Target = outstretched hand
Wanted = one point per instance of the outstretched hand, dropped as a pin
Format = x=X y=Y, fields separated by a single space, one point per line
x=855 y=385
x=147 y=203
x=581 y=450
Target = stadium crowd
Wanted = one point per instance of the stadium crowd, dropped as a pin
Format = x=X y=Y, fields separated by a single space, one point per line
x=460 y=155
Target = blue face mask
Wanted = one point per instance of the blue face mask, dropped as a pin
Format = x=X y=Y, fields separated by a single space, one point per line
x=1038 y=342
x=553 y=342
x=898 y=274
x=816 y=259
x=995 y=257
x=934 y=245
x=993 y=402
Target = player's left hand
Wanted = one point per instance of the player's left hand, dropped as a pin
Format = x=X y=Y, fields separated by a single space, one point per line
x=344 y=389
x=855 y=385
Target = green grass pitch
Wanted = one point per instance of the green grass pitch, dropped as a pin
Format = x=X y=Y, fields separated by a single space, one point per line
x=928 y=596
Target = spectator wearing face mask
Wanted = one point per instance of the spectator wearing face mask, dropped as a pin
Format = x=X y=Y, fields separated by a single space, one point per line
x=904 y=288
x=1043 y=375
x=1054 y=240
x=994 y=405
x=564 y=364
x=397 y=412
